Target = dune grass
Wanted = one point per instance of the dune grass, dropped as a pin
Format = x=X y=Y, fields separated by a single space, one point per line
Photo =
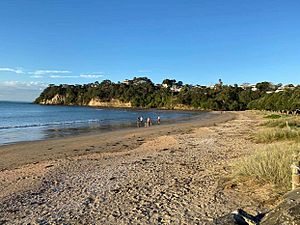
x=270 y=164
x=273 y=116
x=269 y=135
x=293 y=121
x=281 y=129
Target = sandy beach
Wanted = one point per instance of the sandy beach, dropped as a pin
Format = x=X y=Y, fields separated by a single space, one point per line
x=168 y=174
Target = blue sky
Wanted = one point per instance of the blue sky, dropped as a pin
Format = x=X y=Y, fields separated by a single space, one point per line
x=196 y=41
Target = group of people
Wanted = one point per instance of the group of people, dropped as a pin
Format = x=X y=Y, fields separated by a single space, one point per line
x=148 y=122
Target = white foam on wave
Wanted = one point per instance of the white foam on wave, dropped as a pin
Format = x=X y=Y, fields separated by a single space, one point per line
x=50 y=124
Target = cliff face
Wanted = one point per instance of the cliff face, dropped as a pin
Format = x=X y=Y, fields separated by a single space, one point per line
x=95 y=102
x=56 y=100
x=183 y=107
x=113 y=103
x=61 y=100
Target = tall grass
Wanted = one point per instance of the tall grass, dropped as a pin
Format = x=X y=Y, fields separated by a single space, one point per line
x=273 y=116
x=279 y=129
x=270 y=135
x=292 y=121
x=270 y=164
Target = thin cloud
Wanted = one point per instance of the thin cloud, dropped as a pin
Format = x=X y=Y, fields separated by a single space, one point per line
x=44 y=72
x=20 y=90
x=87 y=76
x=12 y=70
x=91 y=75
x=37 y=76
x=63 y=76
x=23 y=85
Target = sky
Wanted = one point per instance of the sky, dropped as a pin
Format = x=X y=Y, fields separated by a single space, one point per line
x=195 y=41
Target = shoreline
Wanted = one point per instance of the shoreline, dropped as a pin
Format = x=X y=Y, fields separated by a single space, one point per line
x=177 y=174
x=21 y=153
x=53 y=129
x=107 y=128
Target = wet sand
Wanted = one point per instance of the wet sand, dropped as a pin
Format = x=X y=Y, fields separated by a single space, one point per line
x=168 y=174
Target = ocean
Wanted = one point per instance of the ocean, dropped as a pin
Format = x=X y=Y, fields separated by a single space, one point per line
x=21 y=121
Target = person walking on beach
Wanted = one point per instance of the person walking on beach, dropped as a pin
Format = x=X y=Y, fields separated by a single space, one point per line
x=141 y=121
x=158 y=120
x=138 y=122
x=149 y=122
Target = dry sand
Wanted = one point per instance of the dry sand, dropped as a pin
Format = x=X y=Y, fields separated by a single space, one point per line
x=172 y=174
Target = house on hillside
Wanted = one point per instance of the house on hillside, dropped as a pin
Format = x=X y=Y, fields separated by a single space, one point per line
x=125 y=82
x=175 y=88
x=165 y=85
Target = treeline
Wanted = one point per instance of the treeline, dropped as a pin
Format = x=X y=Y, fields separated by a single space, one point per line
x=286 y=101
x=142 y=92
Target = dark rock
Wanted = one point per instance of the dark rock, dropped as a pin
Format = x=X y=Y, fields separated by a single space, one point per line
x=239 y=217
x=287 y=212
x=48 y=166
x=116 y=190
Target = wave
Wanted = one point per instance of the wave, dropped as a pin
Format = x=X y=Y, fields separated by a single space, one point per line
x=50 y=124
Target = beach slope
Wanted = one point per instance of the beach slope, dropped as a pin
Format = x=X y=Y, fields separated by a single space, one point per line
x=168 y=174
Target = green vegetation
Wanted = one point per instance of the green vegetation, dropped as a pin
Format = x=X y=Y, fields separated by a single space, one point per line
x=142 y=92
x=277 y=134
x=270 y=165
x=281 y=129
x=284 y=121
x=273 y=116
x=288 y=100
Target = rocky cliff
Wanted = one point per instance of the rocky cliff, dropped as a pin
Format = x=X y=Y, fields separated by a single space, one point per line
x=61 y=100
x=56 y=100
x=113 y=103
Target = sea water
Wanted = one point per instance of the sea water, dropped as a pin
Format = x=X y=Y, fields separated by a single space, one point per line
x=21 y=121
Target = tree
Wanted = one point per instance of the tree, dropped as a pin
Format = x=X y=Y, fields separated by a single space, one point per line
x=169 y=82
x=141 y=92
x=264 y=86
